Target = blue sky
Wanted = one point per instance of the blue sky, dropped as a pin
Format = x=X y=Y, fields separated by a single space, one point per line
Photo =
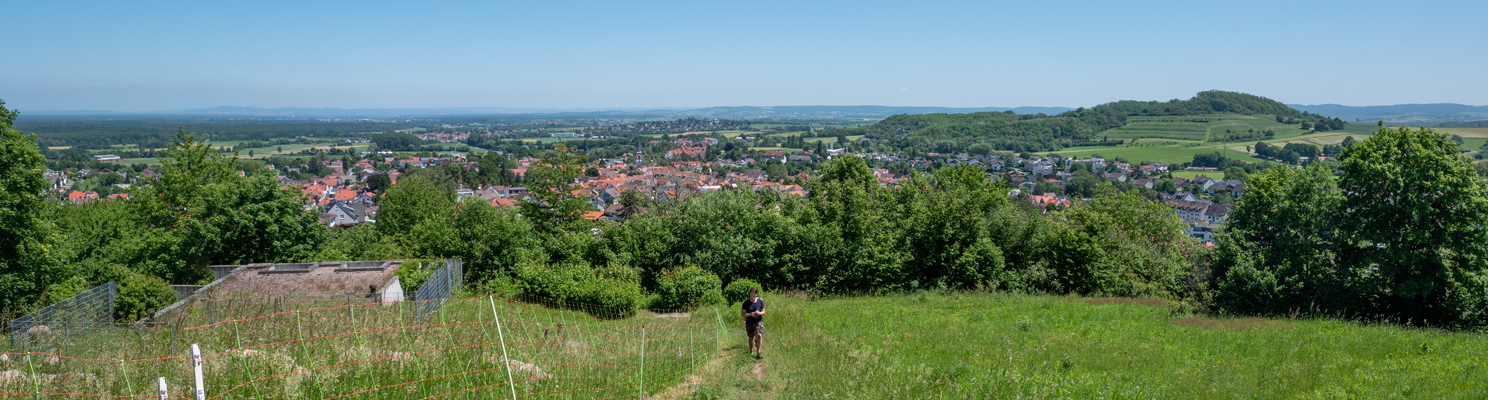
x=124 y=56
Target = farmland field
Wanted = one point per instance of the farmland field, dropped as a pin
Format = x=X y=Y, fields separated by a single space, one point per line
x=1168 y=154
x=1196 y=127
x=1010 y=346
x=1178 y=139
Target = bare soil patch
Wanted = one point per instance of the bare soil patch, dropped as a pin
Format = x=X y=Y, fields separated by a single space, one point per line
x=1150 y=302
x=1227 y=323
x=321 y=281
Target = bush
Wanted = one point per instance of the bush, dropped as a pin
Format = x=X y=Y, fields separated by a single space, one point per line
x=412 y=274
x=689 y=287
x=738 y=290
x=615 y=290
x=140 y=294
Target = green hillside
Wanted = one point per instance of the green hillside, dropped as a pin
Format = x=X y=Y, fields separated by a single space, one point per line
x=1207 y=117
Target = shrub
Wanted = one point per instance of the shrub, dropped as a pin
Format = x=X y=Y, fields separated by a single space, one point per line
x=139 y=294
x=688 y=287
x=738 y=290
x=412 y=274
x=615 y=290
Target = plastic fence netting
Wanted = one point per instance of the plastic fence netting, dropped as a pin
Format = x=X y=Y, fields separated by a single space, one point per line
x=476 y=348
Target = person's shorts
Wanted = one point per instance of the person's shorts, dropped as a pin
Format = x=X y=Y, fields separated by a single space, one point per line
x=754 y=329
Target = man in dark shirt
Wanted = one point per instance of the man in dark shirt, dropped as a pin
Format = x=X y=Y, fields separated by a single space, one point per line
x=754 y=324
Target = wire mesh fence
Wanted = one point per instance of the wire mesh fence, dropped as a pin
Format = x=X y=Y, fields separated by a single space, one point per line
x=65 y=320
x=440 y=285
x=483 y=347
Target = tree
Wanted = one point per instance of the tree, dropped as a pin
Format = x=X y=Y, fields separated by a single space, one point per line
x=250 y=153
x=396 y=141
x=379 y=182
x=279 y=150
x=27 y=264
x=1277 y=252
x=1235 y=173
x=1417 y=222
x=552 y=181
x=411 y=202
x=1165 y=186
x=201 y=212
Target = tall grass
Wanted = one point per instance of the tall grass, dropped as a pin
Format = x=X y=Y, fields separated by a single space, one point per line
x=378 y=351
x=1002 y=346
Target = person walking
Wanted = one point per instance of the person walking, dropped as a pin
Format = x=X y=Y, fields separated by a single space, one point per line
x=754 y=322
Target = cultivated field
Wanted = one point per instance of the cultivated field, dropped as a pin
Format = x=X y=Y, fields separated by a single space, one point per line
x=1197 y=127
x=1007 y=346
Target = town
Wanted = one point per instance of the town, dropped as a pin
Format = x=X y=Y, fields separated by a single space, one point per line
x=344 y=196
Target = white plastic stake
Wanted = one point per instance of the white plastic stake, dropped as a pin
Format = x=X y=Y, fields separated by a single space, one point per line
x=196 y=367
x=164 y=390
x=501 y=337
x=642 y=376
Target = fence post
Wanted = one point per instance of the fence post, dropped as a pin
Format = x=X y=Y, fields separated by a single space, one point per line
x=113 y=297
x=126 y=377
x=212 y=310
x=502 y=337
x=642 y=375
x=34 y=377
x=692 y=350
x=164 y=390
x=196 y=368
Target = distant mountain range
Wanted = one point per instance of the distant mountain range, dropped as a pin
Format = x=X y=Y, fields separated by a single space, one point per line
x=1424 y=114
x=873 y=112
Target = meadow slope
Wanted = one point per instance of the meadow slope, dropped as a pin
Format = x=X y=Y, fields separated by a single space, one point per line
x=1006 y=346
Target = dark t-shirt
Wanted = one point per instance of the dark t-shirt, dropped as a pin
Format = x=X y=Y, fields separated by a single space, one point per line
x=758 y=305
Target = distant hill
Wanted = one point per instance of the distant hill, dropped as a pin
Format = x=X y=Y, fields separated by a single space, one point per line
x=980 y=132
x=745 y=112
x=1424 y=114
x=874 y=112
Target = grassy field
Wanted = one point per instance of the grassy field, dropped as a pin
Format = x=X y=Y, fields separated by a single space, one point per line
x=1003 y=346
x=1196 y=174
x=376 y=351
x=785 y=149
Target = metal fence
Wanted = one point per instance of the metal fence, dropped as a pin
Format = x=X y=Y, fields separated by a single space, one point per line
x=67 y=319
x=440 y=286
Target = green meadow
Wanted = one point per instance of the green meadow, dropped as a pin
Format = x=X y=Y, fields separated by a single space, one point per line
x=1014 y=346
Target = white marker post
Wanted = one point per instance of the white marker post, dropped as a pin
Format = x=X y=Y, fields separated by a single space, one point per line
x=196 y=366
x=164 y=391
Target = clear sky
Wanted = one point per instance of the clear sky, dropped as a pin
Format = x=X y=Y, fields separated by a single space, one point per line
x=133 y=56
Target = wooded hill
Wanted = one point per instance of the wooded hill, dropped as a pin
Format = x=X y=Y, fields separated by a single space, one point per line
x=987 y=131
